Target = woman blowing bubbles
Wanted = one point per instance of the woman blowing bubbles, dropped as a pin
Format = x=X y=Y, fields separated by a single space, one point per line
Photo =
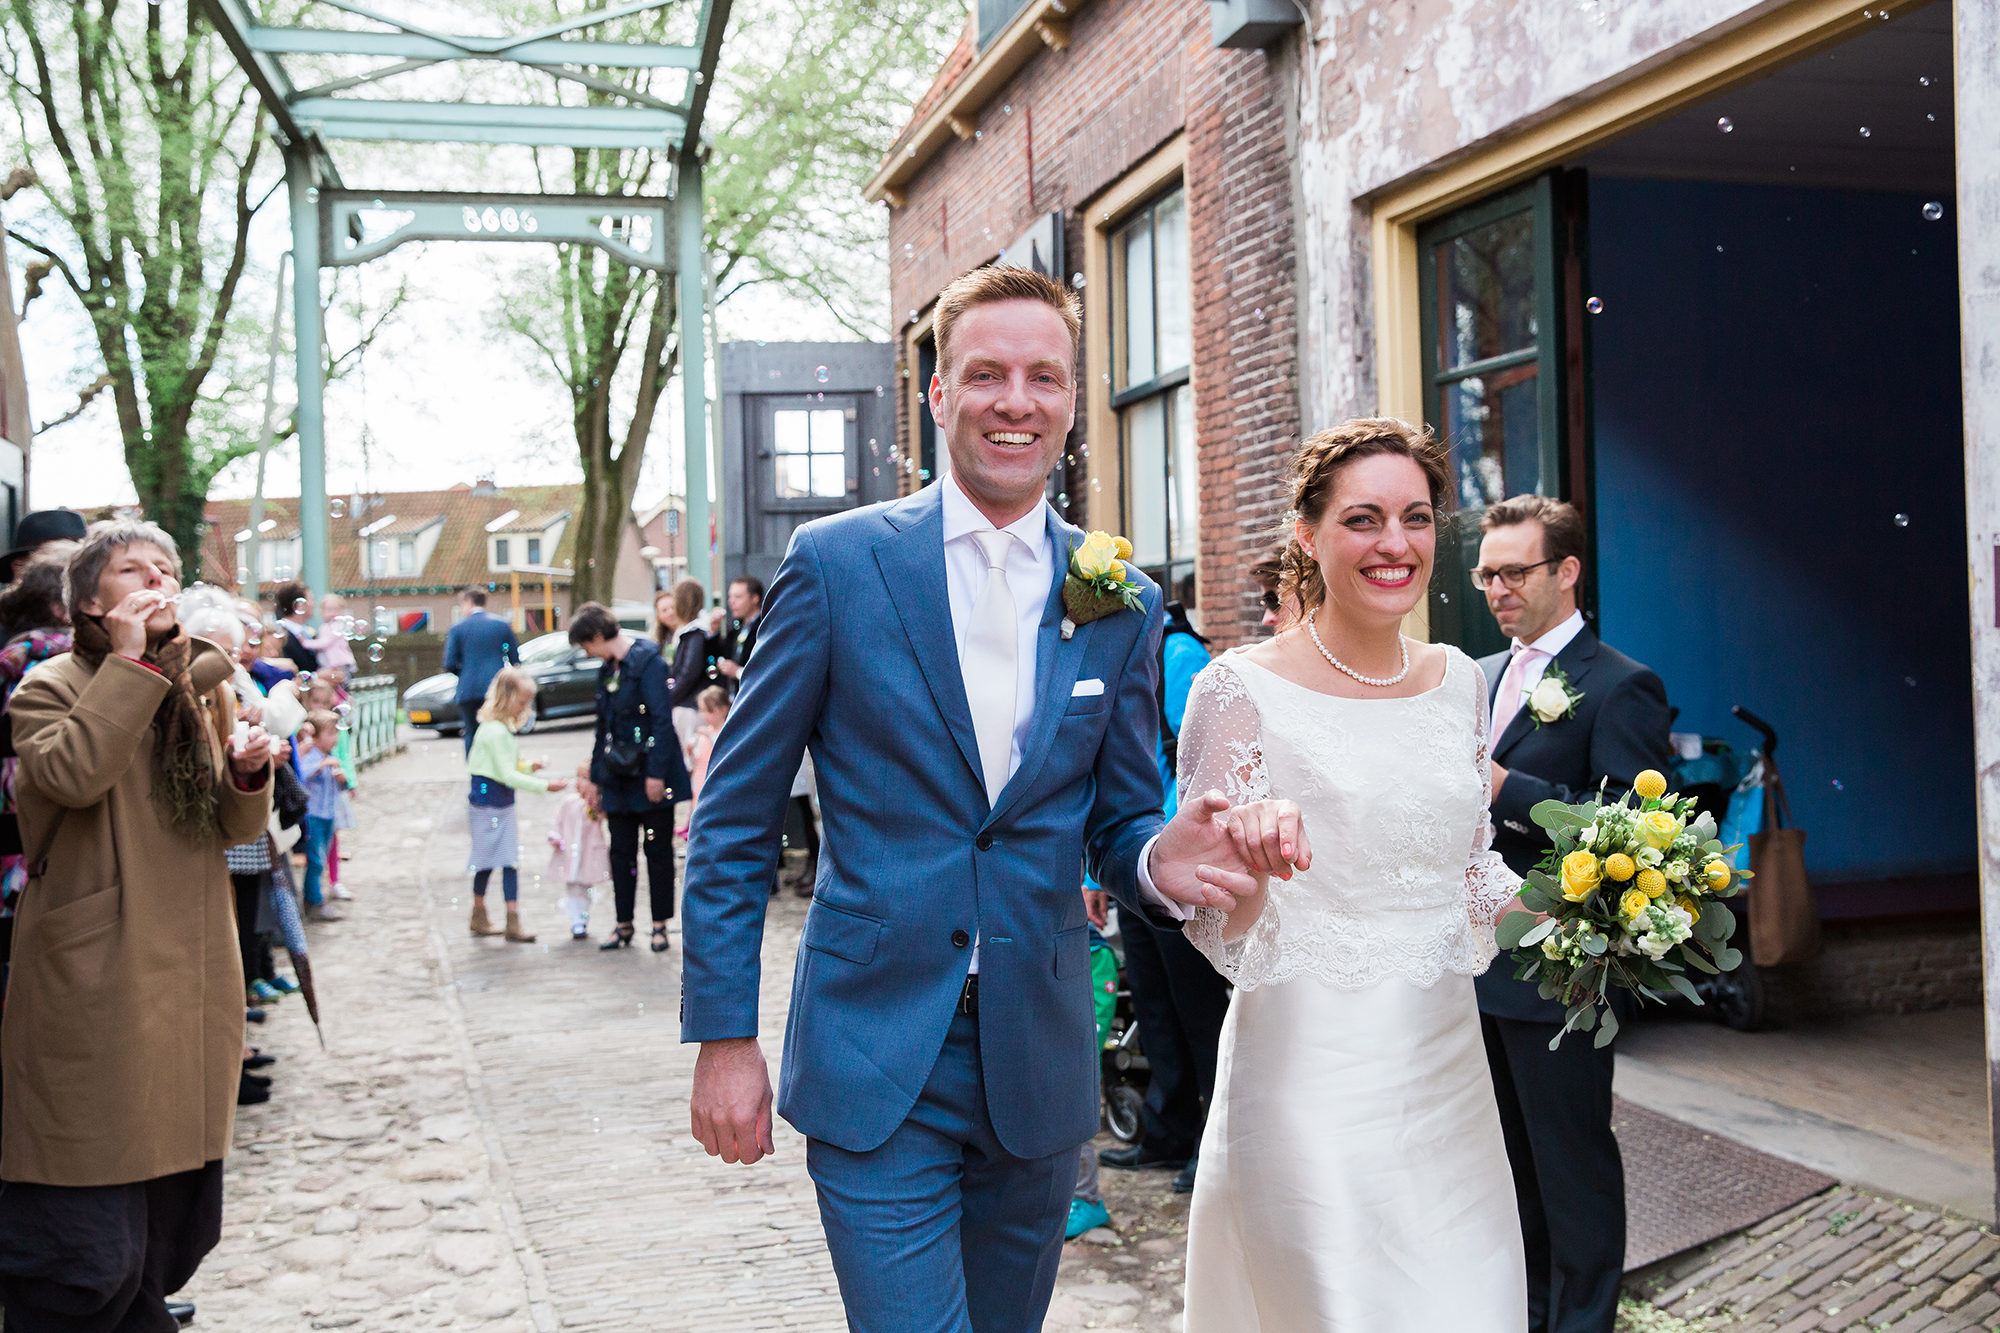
x=123 y=1037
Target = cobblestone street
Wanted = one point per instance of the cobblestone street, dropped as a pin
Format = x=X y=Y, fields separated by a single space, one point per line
x=495 y=1136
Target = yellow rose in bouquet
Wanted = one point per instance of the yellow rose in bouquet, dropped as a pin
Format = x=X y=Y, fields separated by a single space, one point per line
x=1097 y=554
x=1581 y=874
x=1659 y=829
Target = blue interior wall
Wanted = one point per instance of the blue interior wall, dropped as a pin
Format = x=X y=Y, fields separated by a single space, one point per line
x=1776 y=378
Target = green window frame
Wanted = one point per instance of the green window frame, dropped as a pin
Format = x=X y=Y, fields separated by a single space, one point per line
x=1494 y=380
x=1152 y=355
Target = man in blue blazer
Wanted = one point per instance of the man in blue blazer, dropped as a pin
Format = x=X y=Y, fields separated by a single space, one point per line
x=975 y=748
x=477 y=647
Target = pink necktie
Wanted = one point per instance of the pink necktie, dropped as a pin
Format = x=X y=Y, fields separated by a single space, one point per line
x=1512 y=681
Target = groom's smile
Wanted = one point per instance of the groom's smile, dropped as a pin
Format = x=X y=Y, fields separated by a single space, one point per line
x=1005 y=396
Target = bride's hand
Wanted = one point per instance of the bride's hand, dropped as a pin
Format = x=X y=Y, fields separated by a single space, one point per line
x=1270 y=836
x=1198 y=862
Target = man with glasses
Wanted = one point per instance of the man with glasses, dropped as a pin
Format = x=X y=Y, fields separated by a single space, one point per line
x=1555 y=1106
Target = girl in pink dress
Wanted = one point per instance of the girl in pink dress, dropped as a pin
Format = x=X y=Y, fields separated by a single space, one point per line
x=577 y=858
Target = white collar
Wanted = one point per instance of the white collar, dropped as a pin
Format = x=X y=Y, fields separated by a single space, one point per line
x=686 y=630
x=1557 y=639
x=962 y=517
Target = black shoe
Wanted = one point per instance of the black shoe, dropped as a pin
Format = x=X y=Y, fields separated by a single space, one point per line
x=621 y=938
x=253 y=1015
x=251 y=1094
x=255 y=1080
x=260 y=1061
x=182 y=1311
x=659 y=942
x=579 y=932
x=1184 y=1182
x=1139 y=1157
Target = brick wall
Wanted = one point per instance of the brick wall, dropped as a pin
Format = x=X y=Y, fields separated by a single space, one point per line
x=1876 y=967
x=1068 y=125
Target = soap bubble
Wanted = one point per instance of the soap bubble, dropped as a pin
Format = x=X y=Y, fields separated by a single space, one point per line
x=1902 y=520
x=908 y=249
x=1864 y=131
x=1924 y=79
x=1933 y=211
x=1258 y=312
x=820 y=374
x=302 y=606
x=1838 y=785
x=879 y=391
x=1594 y=306
x=1726 y=125
x=374 y=652
x=305 y=681
x=1076 y=280
x=1444 y=597
x=1910 y=681
x=338 y=508
x=913 y=316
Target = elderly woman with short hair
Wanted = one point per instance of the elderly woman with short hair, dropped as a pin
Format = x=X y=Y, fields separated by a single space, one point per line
x=123 y=1034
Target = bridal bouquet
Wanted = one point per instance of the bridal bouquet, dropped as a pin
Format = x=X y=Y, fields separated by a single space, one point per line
x=1632 y=890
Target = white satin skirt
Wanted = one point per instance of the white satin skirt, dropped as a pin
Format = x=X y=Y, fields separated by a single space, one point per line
x=1353 y=1176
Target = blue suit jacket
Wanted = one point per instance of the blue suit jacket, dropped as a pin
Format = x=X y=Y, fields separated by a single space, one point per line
x=477 y=647
x=856 y=657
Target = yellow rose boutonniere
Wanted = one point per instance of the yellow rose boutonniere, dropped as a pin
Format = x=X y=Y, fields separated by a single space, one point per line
x=1098 y=582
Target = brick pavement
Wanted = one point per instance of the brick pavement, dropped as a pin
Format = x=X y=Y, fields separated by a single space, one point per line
x=1845 y=1259
x=496 y=1135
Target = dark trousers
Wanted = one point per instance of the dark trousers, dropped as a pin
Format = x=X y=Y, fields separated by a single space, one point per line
x=800 y=813
x=468 y=717
x=941 y=1229
x=247 y=939
x=1555 y=1111
x=104 y=1258
x=1179 y=1001
x=654 y=832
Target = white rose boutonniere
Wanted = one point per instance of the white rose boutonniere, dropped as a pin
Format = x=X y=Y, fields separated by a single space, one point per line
x=1553 y=699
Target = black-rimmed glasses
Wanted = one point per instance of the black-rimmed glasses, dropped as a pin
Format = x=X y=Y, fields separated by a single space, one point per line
x=1512 y=577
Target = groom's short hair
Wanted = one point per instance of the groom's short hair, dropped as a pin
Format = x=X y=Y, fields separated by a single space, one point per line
x=1000 y=282
x=1563 y=533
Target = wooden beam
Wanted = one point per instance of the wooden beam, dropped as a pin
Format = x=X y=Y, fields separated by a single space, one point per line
x=1054 y=33
x=963 y=126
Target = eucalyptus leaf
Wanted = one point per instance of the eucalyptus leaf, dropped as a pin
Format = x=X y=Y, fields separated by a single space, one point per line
x=1556 y=816
x=1512 y=927
x=1685 y=987
x=1607 y=1030
x=1595 y=945
x=1728 y=959
x=1541 y=930
x=1537 y=900
x=1725 y=916
x=1696 y=960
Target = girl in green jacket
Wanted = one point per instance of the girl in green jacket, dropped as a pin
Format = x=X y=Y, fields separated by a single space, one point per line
x=498 y=771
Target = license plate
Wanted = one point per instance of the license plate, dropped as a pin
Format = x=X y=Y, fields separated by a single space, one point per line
x=419 y=715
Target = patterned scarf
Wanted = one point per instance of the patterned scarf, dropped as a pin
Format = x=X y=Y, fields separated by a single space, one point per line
x=184 y=768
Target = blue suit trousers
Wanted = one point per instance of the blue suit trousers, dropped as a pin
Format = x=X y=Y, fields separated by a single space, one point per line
x=905 y=1221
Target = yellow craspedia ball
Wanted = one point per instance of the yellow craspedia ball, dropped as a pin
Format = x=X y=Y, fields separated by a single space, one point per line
x=1716 y=873
x=1633 y=903
x=1651 y=882
x=1651 y=784
x=1116 y=569
x=1620 y=867
x=1687 y=904
x=1123 y=547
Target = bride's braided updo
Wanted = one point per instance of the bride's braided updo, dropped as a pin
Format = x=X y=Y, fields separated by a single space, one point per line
x=1314 y=468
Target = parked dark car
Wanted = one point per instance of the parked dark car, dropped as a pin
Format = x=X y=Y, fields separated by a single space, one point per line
x=566 y=678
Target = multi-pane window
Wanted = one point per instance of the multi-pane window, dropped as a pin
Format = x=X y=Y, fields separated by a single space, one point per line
x=502 y=556
x=811 y=451
x=1152 y=346
x=534 y=550
x=1491 y=363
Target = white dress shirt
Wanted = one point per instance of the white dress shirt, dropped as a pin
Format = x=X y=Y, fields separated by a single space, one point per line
x=1031 y=569
x=1549 y=644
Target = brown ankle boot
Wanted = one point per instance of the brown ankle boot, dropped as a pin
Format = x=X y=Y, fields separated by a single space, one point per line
x=481 y=925
x=515 y=930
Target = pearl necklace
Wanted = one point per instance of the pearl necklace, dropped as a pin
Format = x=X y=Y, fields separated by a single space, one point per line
x=1338 y=665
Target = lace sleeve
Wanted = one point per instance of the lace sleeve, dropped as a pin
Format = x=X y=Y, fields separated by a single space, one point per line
x=1222 y=749
x=1489 y=884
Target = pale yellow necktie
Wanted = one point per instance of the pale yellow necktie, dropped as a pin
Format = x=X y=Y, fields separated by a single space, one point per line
x=990 y=664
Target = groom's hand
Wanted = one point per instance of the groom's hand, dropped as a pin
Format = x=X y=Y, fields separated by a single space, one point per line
x=730 y=1108
x=1204 y=861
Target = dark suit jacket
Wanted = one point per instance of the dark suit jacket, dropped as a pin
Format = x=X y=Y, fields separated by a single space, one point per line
x=736 y=644
x=477 y=647
x=1620 y=729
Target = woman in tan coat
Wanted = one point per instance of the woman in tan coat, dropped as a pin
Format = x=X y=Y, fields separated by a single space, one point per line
x=122 y=1038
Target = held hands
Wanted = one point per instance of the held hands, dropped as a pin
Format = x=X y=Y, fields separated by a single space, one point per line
x=1212 y=853
x=730 y=1107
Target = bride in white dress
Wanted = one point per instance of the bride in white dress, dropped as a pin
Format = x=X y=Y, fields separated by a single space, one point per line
x=1353 y=1176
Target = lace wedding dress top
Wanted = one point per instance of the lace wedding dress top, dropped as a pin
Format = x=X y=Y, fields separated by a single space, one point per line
x=1353 y=1175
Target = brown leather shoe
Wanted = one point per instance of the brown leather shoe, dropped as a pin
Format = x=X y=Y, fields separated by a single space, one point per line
x=516 y=932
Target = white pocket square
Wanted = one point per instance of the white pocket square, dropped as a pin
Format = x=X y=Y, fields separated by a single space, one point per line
x=1086 y=689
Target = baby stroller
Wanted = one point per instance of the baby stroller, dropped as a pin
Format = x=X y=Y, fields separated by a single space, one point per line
x=1726 y=785
x=1123 y=1068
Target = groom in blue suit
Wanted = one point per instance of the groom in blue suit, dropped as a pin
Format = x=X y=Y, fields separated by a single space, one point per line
x=974 y=753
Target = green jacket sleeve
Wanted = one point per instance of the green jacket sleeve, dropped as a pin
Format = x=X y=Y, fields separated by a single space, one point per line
x=495 y=754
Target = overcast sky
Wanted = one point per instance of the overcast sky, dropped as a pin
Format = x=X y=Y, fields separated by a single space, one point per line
x=443 y=398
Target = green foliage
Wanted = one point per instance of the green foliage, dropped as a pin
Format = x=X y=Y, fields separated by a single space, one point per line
x=145 y=139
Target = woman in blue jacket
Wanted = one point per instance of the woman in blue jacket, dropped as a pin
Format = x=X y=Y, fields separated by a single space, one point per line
x=636 y=769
